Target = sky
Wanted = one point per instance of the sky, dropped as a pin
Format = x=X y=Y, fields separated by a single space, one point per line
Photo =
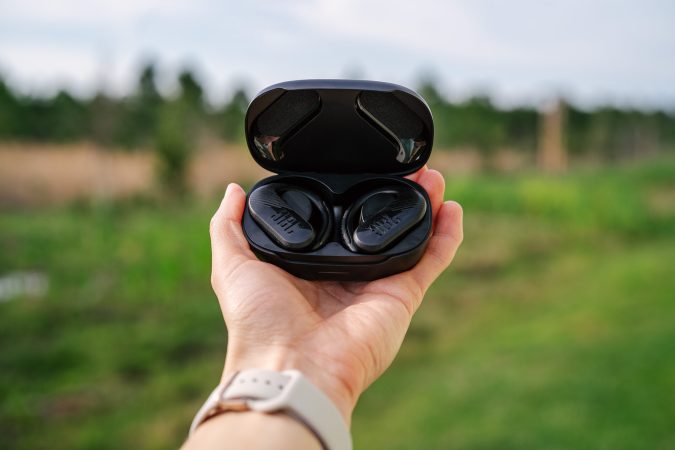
x=519 y=52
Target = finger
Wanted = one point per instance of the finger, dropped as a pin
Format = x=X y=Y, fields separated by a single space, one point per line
x=443 y=244
x=433 y=182
x=227 y=238
x=415 y=176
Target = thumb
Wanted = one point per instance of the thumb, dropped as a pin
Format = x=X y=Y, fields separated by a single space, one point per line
x=228 y=244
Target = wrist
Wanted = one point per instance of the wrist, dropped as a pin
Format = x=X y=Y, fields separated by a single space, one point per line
x=340 y=392
x=243 y=428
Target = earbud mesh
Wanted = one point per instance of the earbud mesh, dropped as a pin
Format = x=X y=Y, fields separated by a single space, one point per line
x=396 y=121
x=393 y=114
x=286 y=112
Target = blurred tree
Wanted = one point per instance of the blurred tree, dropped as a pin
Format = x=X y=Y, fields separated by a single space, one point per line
x=191 y=92
x=60 y=118
x=521 y=129
x=428 y=90
x=147 y=95
x=191 y=96
x=231 y=117
x=173 y=145
x=477 y=123
x=66 y=118
x=105 y=117
x=142 y=109
x=665 y=125
x=179 y=125
x=577 y=130
x=10 y=113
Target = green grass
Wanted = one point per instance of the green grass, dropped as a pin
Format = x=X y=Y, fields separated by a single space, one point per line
x=554 y=329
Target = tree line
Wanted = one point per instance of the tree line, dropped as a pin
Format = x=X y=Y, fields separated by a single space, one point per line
x=605 y=132
x=148 y=119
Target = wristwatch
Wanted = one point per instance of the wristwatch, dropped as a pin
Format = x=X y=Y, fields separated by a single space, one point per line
x=289 y=392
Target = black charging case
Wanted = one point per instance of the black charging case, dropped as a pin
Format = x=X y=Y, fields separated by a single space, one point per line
x=340 y=139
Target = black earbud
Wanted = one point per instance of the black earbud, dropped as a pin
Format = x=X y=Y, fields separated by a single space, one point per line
x=298 y=219
x=377 y=220
x=294 y=218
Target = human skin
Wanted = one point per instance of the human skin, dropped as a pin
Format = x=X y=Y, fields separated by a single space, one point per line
x=341 y=335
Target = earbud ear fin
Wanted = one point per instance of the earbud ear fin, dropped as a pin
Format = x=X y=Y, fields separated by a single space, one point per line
x=376 y=203
x=299 y=202
x=378 y=231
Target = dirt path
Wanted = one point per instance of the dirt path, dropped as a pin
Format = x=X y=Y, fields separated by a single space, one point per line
x=51 y=174
x=40 y=175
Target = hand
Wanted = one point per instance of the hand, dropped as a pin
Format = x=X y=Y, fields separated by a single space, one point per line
x=342 y=336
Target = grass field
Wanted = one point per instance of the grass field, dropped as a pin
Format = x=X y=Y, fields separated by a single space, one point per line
x=554 y=329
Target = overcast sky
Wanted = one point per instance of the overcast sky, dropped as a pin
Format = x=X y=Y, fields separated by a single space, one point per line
x=594 y=51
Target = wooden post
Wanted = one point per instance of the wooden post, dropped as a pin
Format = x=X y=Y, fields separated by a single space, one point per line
x=551 y=152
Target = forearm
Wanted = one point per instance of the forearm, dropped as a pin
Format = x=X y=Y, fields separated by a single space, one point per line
x=251 y=431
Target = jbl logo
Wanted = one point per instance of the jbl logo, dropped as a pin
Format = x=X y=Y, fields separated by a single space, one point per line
x=285 y=219
x=383 y=224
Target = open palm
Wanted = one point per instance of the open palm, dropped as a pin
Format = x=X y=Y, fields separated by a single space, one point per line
x=342 y=336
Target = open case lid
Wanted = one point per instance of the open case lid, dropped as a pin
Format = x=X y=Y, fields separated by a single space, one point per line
x=339 y=126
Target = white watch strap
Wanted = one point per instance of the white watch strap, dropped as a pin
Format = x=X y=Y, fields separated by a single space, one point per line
x=288 y=391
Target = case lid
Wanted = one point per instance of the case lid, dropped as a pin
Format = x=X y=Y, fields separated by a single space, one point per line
x=339 y=126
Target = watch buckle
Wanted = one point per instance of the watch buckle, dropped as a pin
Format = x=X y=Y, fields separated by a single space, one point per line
x=235 y=404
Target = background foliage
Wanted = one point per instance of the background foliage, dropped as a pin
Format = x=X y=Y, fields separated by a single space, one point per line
x=135 y=121
x=553 y=329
